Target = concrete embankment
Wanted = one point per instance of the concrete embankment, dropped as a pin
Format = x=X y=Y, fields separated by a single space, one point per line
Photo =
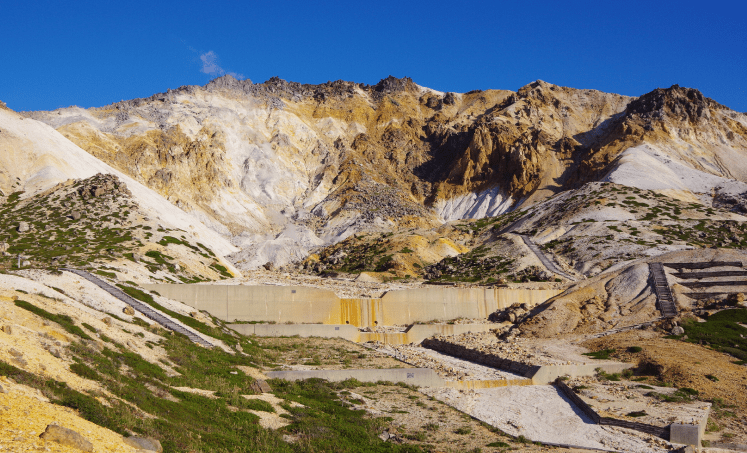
x=540 y=374
x=295 y=304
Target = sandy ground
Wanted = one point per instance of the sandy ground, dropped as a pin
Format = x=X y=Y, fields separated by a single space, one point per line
x=618 y=399
x=685 y=364
x=532 y=351
x=423 y=420
x=541 y=413
x=324 y=354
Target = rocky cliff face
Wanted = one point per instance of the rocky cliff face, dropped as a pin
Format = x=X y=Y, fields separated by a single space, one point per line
x=282 y=167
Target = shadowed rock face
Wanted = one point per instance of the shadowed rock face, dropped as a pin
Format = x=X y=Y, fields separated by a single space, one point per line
x=343 y=157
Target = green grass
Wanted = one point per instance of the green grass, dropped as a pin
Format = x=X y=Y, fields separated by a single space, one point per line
x=327 y=423
x=65 y=321
x=84 y=371
x=106 y=274
x=197 y=423
x=721 y=332
x=681 y=395
x=221 y=270
x=600 y=355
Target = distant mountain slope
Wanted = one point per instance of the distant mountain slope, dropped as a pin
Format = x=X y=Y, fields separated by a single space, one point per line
x=34 y=157
x=281 y=167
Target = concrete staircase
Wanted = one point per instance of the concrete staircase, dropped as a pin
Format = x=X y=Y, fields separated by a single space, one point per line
x=148 y=311
x=664 y=297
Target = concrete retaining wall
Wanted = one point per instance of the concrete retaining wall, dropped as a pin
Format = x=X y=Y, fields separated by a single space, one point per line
x=281 y=304
x=539 y=374
x=475 y=356
x=421 y=377
x=435 y=303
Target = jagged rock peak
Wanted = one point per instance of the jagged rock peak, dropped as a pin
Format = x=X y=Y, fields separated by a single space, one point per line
x=228 y=81
x=675 y=101
x=394 y=85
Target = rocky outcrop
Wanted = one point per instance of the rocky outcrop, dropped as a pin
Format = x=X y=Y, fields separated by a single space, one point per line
x=147 y=444
x=66 y=437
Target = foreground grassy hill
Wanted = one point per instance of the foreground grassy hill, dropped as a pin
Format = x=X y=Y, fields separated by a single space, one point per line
x=84 y=363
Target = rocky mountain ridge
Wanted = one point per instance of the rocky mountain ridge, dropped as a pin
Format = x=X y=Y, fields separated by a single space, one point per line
x=282 y=168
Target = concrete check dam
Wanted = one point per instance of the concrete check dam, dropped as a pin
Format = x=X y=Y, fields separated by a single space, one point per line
x=303 y=305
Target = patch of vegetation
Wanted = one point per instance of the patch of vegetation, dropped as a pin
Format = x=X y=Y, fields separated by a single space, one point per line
x=65 y=321
x=637 y=414
x=604 y=376
x=681 y=395
x=106 y=274
x=327 y=424
x=221 y=270
x=83 y=370
x=600 y=355
x=721 y=331
x=481 y=266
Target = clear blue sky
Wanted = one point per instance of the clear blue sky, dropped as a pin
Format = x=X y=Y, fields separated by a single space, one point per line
x=57 y=54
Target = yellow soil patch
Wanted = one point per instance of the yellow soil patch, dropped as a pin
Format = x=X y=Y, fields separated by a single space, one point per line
x=272 y=420
x=29 y=336
x=253 y=372
x=24 y=415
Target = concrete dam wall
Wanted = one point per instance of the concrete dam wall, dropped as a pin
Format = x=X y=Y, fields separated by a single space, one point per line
x=297 y=304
